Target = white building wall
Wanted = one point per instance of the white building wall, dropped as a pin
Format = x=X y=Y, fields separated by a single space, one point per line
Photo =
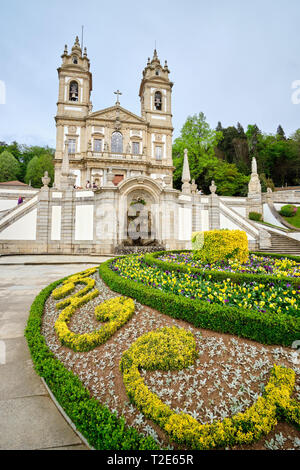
x=22 y=229
x=84 y=222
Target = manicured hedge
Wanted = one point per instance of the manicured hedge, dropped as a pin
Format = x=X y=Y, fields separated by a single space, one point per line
x=263 y=327
x=237 y=278
x=216 y=245
x=102 y=429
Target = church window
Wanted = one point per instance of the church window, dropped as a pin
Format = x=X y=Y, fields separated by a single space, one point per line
x=117 y=142
x=157 y=100
x=71 y=145
x=75 y=59
x=156 y=72
x=135 y=148
x=73 y=94
x=158 y=152
x=97 y=145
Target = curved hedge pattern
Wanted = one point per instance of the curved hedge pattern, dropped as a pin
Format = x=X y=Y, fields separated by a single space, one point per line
x=175 y=348
x=102 y=429
x=115 y=312
x=152 y=260
x=262 y=327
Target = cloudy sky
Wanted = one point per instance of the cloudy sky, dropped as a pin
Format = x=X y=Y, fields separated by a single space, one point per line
x=233 y=60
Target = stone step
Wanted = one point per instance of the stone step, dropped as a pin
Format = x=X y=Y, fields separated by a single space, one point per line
x=283 y=245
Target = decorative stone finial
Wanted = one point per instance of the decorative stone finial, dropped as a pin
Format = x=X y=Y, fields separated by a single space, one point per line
x=213 y=187
x=76 y=46
x=186 y=176
x=67 y=178
x=254 y=186
x=194 y=187
x=254 y=166
x=46 y=180
x=66 y=49
x=85 y=52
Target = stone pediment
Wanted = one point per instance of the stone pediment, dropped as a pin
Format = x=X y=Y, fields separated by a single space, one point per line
x=114 y=112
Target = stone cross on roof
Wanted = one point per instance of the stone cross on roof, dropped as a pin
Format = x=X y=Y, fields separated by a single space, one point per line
x=117 y=93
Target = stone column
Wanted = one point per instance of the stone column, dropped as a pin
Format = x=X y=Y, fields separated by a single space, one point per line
x=214 y=208
x=107 y=218
x=186 y=176
x=67 y=221
x=254 y=200
x=43 y=215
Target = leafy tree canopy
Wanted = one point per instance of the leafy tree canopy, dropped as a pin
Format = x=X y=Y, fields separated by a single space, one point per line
x=201 y=141
x=36 y=169
x=9 y=167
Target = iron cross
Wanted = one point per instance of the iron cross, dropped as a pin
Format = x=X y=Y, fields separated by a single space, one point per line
x=117 y=93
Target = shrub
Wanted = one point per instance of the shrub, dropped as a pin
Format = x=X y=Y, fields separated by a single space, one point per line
x=101 y=427
x=263 y=327
x=217 y=245
x=288 y=211
x=255 y=216
x=174 y=348
x=115 y=312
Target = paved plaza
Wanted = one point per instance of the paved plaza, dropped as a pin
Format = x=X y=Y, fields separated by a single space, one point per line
x=29 y=418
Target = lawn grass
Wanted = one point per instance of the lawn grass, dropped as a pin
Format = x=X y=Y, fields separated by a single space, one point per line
x=295 y=220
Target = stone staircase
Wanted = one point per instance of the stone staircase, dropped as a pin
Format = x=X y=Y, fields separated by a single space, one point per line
x=283 y=244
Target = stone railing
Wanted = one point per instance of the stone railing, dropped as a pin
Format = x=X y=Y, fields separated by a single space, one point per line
x=120 y=156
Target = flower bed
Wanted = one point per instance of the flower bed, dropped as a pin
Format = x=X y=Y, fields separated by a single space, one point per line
x=218 y=274
x=195 y=369
x=102 y=428
x=173 y=348
x=130 y=276
x=115 y=312
x=262 y=265
x=271 y=298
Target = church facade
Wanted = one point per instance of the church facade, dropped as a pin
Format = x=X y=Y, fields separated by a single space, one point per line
x=113 y=188
x=113 y=138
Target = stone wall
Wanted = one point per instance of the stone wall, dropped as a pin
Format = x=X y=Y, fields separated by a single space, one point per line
x=72 y=221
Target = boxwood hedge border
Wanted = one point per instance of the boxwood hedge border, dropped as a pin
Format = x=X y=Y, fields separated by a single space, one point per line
x=152 y=260
x=102 y=429
x=266 y=328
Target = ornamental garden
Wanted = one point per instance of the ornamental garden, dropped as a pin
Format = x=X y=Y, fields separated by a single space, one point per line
x=176 y=350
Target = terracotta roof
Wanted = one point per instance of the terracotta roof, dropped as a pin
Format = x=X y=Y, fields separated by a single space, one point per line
x=13 y=183
x=288 y=188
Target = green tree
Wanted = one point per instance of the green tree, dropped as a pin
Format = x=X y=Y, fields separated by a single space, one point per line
x=9 y=167
x=280 y=133
x=229 y=181
x=201 y=142
x=36 y=169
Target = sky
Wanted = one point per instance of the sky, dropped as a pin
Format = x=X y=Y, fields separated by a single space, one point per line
x=233 y=60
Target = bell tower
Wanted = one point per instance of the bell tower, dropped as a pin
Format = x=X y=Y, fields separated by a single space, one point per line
x=155 y=93
x=75 y=83
x=74 y=102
